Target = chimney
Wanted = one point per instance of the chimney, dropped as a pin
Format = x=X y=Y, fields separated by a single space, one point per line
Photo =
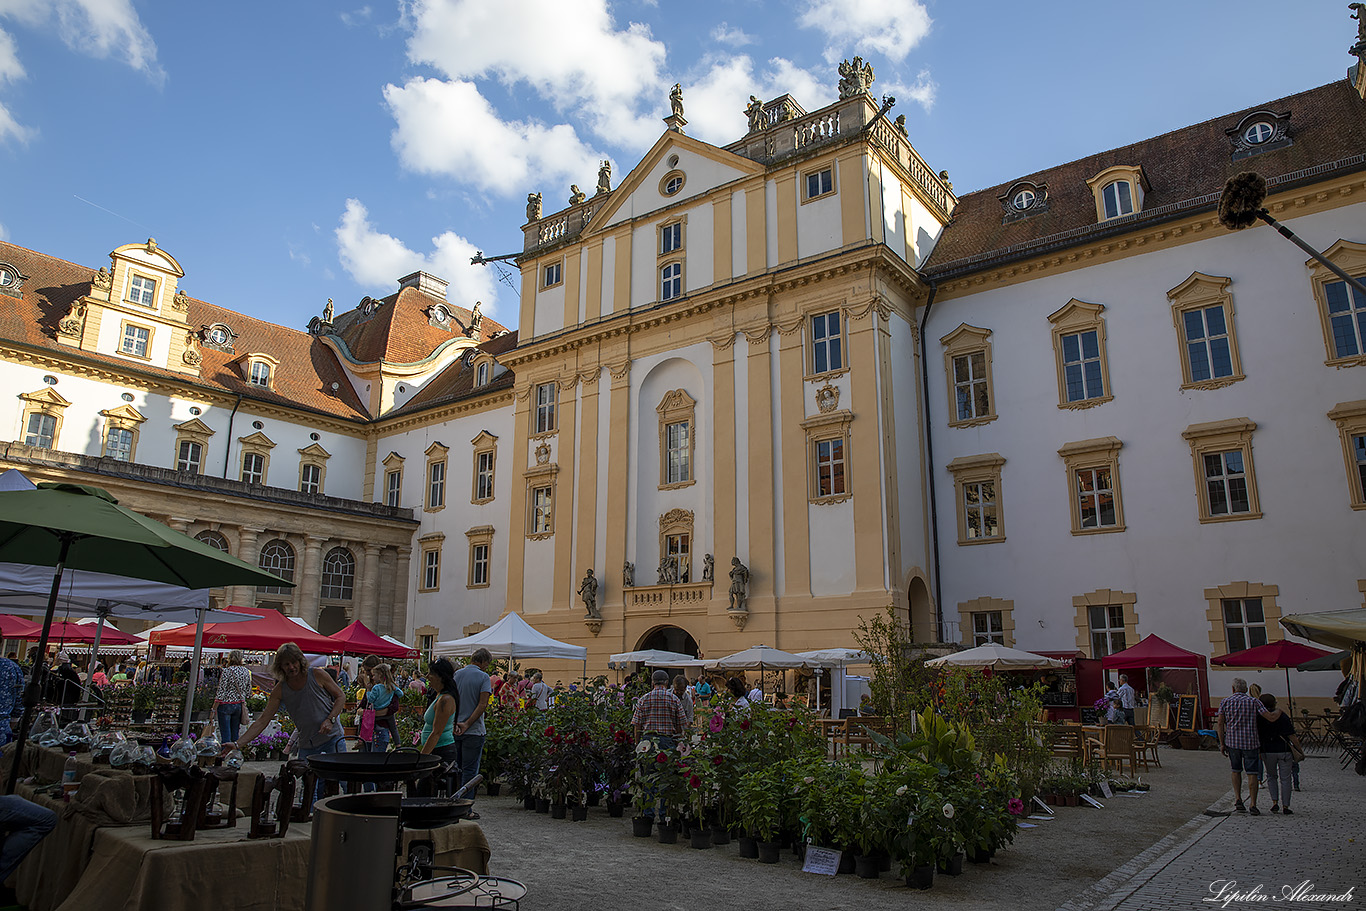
x=426 y=283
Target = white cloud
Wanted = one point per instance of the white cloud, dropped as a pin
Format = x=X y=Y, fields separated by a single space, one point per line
x=375 y=260
x=355 y=17
x=11 y=70
x=448 y=128
x=890 y=28
x=733 y=36
x=716 y=100
x=98 y=28
x=572 y=54
x=4 y=232
x=922 y=91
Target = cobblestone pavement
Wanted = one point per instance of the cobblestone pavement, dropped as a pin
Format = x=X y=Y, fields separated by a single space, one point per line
x=1235 y=861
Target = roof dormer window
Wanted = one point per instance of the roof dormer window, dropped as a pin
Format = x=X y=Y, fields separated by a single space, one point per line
x=1023 y=200
x=142 y=290
x=260 y=374
x=219 y=336
x=481 y=374
x=1258 y=132
x=1118 y=192
x=259 y=370
x=11 y=280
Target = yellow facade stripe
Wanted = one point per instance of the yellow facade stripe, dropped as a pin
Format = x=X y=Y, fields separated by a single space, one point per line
x=618 y=491
x=756 y=231
x=853 y=204
x=527 y=321
x=621 y=289
x=864 y=472
x=722 y=268
x=592 y=305
x=723 y=465
x=796 y=485
x=571 y=287
x=760 y=414
x=891 y=494
x=879 y=233
x=586 y=528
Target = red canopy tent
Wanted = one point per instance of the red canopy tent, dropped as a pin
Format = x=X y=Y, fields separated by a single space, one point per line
x=1283 y=654
x=1155 y=652
x=272 y=630
x=359 y=639
x=12 y=627
x=63 y=631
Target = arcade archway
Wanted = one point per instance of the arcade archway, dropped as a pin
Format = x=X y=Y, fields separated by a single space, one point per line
x=669 y=639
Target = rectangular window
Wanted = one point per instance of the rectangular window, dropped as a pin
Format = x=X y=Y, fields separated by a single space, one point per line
x=1095 y=498
x=545 y=408
x=479 y=564
x=827 y=343
x=1359 y=454
x=1208 y=351
x=142 y=291
x=1118 y=198
x=970 y=386
x=671 y=281
x=436 y=484
x=1244 y=623
x=190 y=457
x=483 y=476
x=677 y=470
x=431 y=570
x=819 y=183
x=830 y=480
x=1107 y=629
x=260 y=373
x=1346 y=318
x=311 y=479
x=118 y=444
x=253 y=468
x=979 y=508
x=678 y=549
x=135 y=339
x=1082 y=375
x=553 y=274
x=393 y=487
x=542 y=521
x=1226 y=483
x=41 y=431
x=671 y=237
x=987 y=628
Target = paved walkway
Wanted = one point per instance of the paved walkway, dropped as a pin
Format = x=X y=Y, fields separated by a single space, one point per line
x=1234 y=861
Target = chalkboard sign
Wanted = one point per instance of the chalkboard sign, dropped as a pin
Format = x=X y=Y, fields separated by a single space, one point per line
x=1090 y=716
x=1185 y=713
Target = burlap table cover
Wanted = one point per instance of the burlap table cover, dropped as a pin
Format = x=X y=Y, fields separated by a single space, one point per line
x=461 y=845
x=53 y=868
x=128 y=871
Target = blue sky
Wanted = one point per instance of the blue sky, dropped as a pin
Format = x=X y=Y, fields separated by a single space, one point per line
x=290 y=152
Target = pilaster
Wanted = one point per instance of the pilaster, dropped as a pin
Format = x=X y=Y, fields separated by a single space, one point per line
x=306 y=602
x=761 y=555
x=723 y=461
x=792 y=410
x=618 y=490
x=865 y=477
x=586 y=525
x=564 y=531
x=248 y=550
x=369 y=587
x=398 y=623
x=517 y=516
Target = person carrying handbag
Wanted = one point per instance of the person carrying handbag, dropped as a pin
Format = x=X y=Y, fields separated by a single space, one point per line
x=1280 y=751
x=230 y=701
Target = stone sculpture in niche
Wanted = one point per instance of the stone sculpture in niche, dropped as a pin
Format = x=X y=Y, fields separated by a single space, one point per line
x=708 y=568
x=739 y=585
x=588 y=591
x=628 y=575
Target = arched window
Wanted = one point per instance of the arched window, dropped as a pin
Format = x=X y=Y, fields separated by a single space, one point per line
x=214 y=540
x=277 y=557
x=339 y=574
x=1118 y=198
x=671 y=281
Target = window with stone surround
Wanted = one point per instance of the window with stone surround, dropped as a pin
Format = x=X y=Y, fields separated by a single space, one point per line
x=1079 y=349
x=430 y=580
x=676 y=413
x=1350 y=418
x=1226 y=484
x=338 y=575
x=42 y=418
x=827 y=456
x=1106 y=621
x=1093 y=485
x=393 y=479
x=1202 y=312
x=1342 y=308
x=135 y=340
x=436 y=478
x=312 y=468
x=485 y=461
x=987 y=620
x=255 y=464
x=1118 y=191
x=121 y=427
x=192 y=441
x=277 y=556
x=977 y=488
x=481 y=549
x=967 y=367
x=543 y=412
x=1242 y=615
x=826 y=343
x=142 y=290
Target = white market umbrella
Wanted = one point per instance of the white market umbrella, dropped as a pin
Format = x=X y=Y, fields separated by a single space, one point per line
x=761 y=657
x=835 y=659
x=997 y=657
x=654 y=657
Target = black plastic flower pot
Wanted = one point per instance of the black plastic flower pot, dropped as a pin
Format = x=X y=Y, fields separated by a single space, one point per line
x=594 y=798
x=642 y=826
x=769 y=851
x=953 y=866
x=866 y=866
x=749 y=847
x=528 y=802
x=720 y=835
x=542 y=805
x=847 y=865
x=884 y=863
x=799 y=849
x=700 y=838
x=493 y=788
x=922 y=877
x=580 y=814
x=615 y=808
x=979 y=856
x=668 y=833
x=558 y=811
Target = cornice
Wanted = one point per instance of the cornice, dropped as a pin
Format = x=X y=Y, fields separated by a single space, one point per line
x=443 y=412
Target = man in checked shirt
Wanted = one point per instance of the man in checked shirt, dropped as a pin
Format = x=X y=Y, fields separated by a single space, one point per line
x=1238 y=740
x=659 y=715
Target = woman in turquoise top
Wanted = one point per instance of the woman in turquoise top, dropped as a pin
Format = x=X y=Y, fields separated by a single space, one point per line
x=380 y=697
x=438 y=724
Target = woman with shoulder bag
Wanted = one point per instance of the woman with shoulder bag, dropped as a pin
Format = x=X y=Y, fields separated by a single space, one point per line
x=382 y=697
x=1279 y=746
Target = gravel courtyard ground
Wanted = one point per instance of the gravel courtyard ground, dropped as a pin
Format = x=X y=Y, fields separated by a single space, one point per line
x=598 y=864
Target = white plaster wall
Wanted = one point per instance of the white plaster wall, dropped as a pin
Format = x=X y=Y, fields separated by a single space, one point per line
x=702 y=174
x=549 y=309
x=906 y=406
x=739 y=248
x=832 y=548
x=651 y=378
x=609 y=275
x=893 y=218
x=818 y=223
x=345 y=469
x=111 y=337
x=923 y=231
x=538 y=575
x=1309 y=542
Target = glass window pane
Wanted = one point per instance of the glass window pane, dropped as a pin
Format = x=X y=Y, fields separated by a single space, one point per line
x=1095 y=388
x=1214 y=317
x=1233 y=461
x=980 y=393
x=1090 y=345
x=1072 y=379
x=1126 y=203
x=1218 y=499
x=1195 y=324
x=1199 y=361
x=1097 y=616
x=1071 y=348
x=1223 y=358
x=964 y=398
x=1252 y=610
x=1256 y=636
x=961 y=370
x=1336 y=293
x=1236 y=641
x=1214 y=465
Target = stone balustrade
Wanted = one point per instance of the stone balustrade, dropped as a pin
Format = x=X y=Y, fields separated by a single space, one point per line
x=666 y=600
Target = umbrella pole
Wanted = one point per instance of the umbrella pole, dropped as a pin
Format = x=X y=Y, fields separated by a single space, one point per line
x=94 y=660
x=190 y=685
x=35 y=679
x=1289 y=698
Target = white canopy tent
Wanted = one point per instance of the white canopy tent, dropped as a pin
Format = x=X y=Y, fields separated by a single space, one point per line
x=514 y=638
x=654 y=657
x=997 y=657
x=24 y=589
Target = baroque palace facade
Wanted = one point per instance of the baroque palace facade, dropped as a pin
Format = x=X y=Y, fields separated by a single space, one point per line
x=765 y=389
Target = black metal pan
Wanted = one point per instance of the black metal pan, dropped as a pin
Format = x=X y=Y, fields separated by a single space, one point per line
x=399 y=765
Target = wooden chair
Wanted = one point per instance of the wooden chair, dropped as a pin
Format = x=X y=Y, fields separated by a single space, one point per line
x=1067 y=743
x=1115 y=747
x=1145 y=747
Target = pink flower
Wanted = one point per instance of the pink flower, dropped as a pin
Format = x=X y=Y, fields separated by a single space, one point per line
x=718 y=724
x=1016 y=806
x=695 y=782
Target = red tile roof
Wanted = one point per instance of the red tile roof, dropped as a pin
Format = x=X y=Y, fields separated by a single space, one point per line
x=456 y=382
x=1185 y=171
x=399 y=332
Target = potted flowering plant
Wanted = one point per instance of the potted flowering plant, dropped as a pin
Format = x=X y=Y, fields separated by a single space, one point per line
x=760 y=805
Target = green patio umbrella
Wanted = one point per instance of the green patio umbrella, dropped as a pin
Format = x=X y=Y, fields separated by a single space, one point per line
x=82 y=527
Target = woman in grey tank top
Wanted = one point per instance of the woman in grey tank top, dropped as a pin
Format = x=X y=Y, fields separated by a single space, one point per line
x=310 y=697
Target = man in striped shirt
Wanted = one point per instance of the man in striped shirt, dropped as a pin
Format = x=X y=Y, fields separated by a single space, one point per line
x=1238 y=740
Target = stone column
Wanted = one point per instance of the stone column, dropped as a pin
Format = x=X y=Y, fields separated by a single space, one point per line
x=368 y=612
x=310 y=580
x=179 y=524
x=247 y=551
x=398 y=620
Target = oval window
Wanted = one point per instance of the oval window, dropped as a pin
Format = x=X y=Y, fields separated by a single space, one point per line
x=1023 y=200
x=1259 y=132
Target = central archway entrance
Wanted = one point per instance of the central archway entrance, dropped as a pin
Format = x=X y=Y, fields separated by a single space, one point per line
x=668 y=639
x=332 y=619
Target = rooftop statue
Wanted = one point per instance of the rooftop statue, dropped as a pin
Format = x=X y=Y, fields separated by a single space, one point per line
x=856 y=78
x=755 y=112
x=533 y=207
x=605 y=178
x=576 y=196
x=676 y=99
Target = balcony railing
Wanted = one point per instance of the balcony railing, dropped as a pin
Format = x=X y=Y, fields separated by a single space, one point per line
x=664 y=600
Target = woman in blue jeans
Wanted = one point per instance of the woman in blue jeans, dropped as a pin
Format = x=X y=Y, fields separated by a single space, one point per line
x=230 y=702
x=381 y=697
